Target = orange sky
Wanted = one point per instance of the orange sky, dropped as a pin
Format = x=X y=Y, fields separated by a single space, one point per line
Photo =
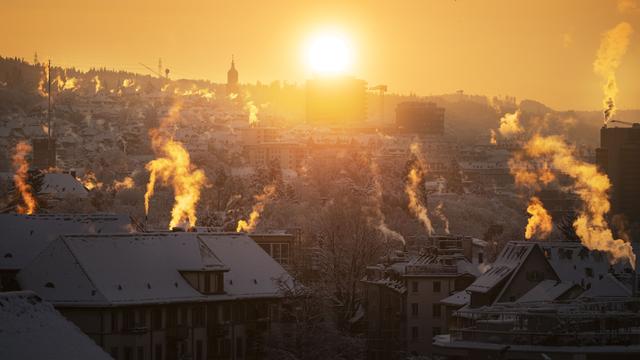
x=542 y=49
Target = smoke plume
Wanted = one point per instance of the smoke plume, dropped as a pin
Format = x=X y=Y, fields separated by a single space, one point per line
x=90 y=181
x=378 y=219
x=261 y=201
x=510 y=125
x=98 y=84
x=126 y=183
x=493 y=140
x=415 y=183
x=173 y=167
x=439 y=211
x=593 y=189
x=613 y=46
x=540 y=223
x=21 y=167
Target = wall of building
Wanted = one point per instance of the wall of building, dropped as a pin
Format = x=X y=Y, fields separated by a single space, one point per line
x=222 y=330
x=429 y=320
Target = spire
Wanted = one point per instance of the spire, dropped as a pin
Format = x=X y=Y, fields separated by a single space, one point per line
x=233 y=64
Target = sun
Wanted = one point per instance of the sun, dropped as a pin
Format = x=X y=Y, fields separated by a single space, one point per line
x=329 y=53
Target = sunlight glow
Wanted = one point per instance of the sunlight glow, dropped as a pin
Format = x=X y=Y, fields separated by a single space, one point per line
x=329 y=53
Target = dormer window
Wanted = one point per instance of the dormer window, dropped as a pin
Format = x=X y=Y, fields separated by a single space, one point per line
x=205 y=281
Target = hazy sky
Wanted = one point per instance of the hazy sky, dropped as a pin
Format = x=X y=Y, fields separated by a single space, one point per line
x=537 y=49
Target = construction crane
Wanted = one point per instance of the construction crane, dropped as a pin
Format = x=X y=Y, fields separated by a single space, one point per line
x=159 y=71
x=381 y=90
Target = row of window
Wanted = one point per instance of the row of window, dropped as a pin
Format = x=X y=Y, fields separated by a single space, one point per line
x=196 y=315
x=436 y=310
x=436 y=286
x=217 y=347
x=280 y=252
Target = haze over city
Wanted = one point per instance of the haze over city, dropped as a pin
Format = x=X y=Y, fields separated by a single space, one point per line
x=541 y=50
x=297 y=180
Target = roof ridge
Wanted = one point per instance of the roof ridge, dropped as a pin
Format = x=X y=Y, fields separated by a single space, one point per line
x=81 y=266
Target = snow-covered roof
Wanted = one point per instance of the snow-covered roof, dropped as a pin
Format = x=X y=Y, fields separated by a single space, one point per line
x=123 y=269
x=589 y=269
x=546 y=290
x=61 y=185
x=32 y=329
x=572 y=262
x=458 y=299
x=511 y=257
x=24 y=236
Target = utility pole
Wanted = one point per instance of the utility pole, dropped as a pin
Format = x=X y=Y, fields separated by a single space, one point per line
x=49 y=96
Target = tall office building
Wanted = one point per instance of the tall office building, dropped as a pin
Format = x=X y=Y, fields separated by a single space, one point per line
x=336 y=101
x=619 y=157
x=423 y=118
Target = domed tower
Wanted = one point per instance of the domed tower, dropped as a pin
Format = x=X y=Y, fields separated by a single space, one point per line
x=232 y=78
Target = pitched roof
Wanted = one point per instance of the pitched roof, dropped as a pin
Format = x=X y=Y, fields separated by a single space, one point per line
x=589 y=269
x=25 y=236
x=546 y=290
x=61 y=185
x=124 y=269
x=571 y=261
x=511 y=257
x=32 y=329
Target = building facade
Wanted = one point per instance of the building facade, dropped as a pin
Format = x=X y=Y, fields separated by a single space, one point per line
x=618 y=157
x=162 y=296
x=422 y=118
x=336 y=101
x=404 y=294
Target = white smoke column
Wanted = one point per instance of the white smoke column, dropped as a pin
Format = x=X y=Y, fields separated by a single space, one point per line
x=378 y=219
x=439 y=211
x=415 y=183
x=593 y=189
x=510 y=125
x=612 y=47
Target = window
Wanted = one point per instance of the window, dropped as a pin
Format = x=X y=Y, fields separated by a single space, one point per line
x=414 y=333
x=128 y=319
x=480 y=258
x=158 y=352
x=141 y=317
x=414 y=286
x=436 y=331
x=198 y=349
x=184 y=316
x=219 y=283
x=414 y=310
x=437 y=312
x=239 y=347
x=128 y=353
x=156 y=319
x=197 y=315
x=207 y=283
x=588 y=271
x=114 y=322
x=436 y=286
x=140 y=353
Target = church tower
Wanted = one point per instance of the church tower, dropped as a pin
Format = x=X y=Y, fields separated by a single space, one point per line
x=232 y=78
